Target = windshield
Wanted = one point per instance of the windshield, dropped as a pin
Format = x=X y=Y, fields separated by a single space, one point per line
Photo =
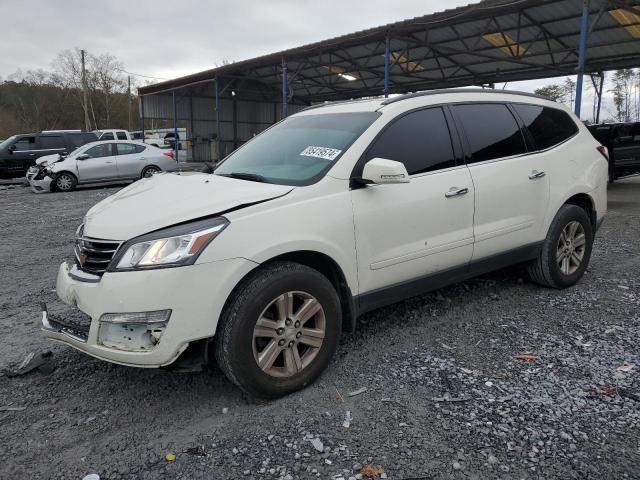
x=7 y=142
x=297 y=151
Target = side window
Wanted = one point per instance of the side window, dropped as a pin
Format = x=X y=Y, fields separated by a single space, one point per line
x=121 y=135
x=76 y=139
x=25 y=143
x=491 y=130
x=420 y=140
x=140 y=148
x=623 y=135
x=548 y=126
x=107 y=136
x=100 y=151
x=89 y=137
x=125 y=148
x=51 y=142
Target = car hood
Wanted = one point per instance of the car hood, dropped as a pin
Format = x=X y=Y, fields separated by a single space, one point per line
x=167 y=199
x=47 y=160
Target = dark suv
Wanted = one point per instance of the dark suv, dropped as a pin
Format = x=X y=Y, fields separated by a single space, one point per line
x=19 y=152
x=623 y=142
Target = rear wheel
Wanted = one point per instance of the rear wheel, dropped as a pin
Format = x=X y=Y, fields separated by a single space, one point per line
x=566 y=251
x=149 y=171
x=279 y=330
x=65 y=182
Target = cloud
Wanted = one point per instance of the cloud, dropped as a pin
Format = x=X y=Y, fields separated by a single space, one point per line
x=167 y=39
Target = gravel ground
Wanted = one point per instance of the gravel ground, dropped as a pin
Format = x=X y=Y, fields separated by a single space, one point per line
x=445 y=397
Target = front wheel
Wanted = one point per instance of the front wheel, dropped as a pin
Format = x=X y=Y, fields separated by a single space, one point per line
x=566 y=251
x=279 y=330
x=65 y=182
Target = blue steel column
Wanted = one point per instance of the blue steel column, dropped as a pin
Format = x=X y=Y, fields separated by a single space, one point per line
x=175 y=126
x=582 y=55
x=142 y=116
x=218 y=144
x=387 y=58
x=285 y=90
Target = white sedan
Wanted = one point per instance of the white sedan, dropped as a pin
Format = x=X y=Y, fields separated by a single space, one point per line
x=99 y=162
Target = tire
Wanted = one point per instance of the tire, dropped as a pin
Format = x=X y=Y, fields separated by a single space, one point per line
x=149 y=171
x=547 y=270
x=65 y=182
x=237 y=349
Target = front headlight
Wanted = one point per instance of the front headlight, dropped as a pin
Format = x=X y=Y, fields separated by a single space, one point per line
x=170 y=247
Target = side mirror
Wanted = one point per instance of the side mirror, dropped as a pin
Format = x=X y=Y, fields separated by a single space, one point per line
x=12 y=148
x=82 y=156
x=381 y=171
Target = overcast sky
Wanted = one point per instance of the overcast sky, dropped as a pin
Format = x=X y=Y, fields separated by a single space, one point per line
x=167 y=39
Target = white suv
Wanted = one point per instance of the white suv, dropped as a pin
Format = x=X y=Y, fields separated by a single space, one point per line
x=331 y=213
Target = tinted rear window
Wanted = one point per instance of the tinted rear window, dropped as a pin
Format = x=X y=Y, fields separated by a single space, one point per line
x=491 y=130
x=121 y=135
x=51 y=142
x=548 y=126
x=420 y=140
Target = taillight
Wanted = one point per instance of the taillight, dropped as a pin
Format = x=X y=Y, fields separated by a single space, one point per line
x=170 y=154
x=603 y=151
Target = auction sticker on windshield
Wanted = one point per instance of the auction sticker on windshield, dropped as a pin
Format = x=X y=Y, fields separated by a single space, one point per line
x=321 y=152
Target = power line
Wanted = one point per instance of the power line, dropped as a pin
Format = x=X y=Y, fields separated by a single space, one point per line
x=140 y=75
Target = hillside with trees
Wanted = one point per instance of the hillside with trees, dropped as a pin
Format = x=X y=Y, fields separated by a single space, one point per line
x=51 y=99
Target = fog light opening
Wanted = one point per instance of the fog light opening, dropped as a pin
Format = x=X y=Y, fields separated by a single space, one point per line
x=133 y=332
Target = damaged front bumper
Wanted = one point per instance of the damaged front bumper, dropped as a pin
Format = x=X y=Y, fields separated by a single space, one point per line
x=38 y=180
x=145 y=318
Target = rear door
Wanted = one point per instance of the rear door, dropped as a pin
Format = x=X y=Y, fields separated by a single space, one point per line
x=130 y=160
x=51 y=144
x=407 y=231
x=100 y=166
x=511 y=186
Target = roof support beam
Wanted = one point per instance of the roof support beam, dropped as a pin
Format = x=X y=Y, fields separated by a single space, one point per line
x=582 y=52
x=387 y=56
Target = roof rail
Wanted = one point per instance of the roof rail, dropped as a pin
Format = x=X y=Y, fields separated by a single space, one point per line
x=459 y=90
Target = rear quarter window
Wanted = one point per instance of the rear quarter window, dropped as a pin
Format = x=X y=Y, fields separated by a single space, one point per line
x=491 y=130
x=548 y=126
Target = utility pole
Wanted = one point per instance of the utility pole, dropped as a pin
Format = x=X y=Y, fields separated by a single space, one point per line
x=129 y=94
x=87 y=125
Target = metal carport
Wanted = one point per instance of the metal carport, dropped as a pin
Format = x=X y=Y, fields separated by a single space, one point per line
x=478 y=44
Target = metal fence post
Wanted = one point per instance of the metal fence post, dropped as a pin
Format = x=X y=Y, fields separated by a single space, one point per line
x=285 y=90
x=582 y=51
x=218 y=143
x=142 y=116
x=175 y=126
x=387 y=58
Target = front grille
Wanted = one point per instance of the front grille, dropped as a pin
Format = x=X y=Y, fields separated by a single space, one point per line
x=94 y=255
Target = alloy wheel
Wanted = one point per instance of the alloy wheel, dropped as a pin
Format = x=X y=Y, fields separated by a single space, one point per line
x=571 y=248
x=150 y=172
x=64 y=183
x=289 y=334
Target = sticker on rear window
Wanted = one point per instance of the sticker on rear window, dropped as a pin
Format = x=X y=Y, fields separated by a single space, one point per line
x=321 y=152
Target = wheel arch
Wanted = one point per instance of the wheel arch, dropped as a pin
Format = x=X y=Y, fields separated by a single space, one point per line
x=584 y=201
x=328 y=267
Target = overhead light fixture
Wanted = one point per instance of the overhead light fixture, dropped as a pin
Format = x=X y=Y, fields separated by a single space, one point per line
x=628 y=19
x=342 y=72
x=505 y=43
x=404 y=63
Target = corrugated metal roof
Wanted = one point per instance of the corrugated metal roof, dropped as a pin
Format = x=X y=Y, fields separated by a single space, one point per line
x=456 y=47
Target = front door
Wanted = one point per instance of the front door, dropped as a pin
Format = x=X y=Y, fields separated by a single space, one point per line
x=100 y=166
x=25 y=152
x=511 y=186
x=405 y=232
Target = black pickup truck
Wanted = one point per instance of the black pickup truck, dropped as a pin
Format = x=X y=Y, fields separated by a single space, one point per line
x=19 y=152
x=623 y=142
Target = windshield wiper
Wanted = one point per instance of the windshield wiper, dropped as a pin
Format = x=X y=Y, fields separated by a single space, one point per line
x=252 y=177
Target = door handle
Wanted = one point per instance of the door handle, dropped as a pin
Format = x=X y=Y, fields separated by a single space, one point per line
x=108 y=161
x=32 y=154
x=456 y=192
x=536 y=174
